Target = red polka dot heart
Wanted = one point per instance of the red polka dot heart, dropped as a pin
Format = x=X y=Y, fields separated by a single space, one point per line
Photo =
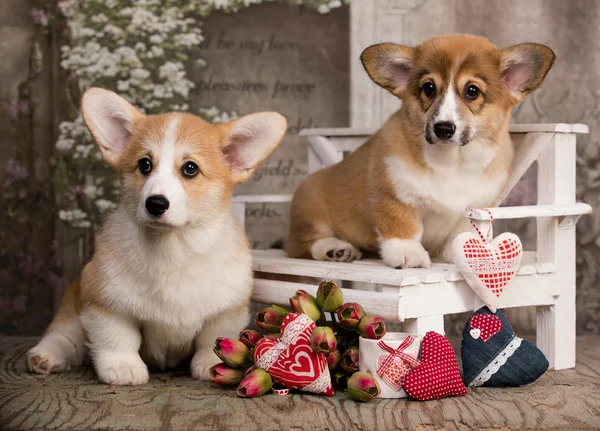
x=437 y=375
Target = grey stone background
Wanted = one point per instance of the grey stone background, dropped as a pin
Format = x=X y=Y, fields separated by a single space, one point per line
x=298 y=63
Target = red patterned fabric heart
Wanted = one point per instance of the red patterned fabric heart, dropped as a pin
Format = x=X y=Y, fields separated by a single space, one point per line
x=485 y=326
x=396 y=372
x=487 y=267
x=437 y=375
x=291 y=360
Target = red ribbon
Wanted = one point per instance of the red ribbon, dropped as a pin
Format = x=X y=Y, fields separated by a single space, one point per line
x=483 y=237
x=396 y=353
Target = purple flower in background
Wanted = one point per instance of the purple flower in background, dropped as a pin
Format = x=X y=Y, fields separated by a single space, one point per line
x=56 y=282
x=4 y=304
x=18 y=108
x=20 y=303
x=77 y=190
x=15 y=171
x=25 y=264
x=39 y=17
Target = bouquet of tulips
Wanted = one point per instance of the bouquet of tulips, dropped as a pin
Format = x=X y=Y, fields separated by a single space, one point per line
x=337 y=339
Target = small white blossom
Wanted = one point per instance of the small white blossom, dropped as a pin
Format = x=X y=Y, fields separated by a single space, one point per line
x=155 y=38
x=99 y=18
x=105 y=205
x=140 y=74
x=64 y=144
x=188 y=39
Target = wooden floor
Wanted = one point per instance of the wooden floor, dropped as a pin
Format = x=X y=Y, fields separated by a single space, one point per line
x=559 y=400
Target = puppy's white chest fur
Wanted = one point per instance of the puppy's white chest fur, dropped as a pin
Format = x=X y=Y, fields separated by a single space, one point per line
x=450 y=189
x=441 y=194
x=172 y=283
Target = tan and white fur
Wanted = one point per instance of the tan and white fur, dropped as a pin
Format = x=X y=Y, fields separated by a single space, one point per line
x=447 y=149
x=172 y=269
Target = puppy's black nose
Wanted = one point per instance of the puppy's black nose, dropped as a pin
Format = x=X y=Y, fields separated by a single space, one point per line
x=444 y=130
x=157 y=205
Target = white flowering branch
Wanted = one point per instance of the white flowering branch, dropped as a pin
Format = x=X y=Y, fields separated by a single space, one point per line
x=139 y=49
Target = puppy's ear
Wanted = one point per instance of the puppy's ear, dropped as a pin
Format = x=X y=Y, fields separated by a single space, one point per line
x=389 y=66
x=250 y=140
x=524 y=67
x=110 y=119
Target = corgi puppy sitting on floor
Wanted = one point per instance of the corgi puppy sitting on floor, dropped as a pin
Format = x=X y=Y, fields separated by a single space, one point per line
x=447 y=149
x=172 y=269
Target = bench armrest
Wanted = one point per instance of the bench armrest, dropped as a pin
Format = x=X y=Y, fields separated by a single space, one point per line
x=513 y=128
x=555 y=210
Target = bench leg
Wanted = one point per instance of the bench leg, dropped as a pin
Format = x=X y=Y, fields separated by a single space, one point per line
x=556 y=243
x=422 y=325
x=556 y=334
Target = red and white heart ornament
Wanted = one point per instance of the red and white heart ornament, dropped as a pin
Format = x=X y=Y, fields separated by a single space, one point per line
x=488 y=267
x=291 y=361
x=394 y=365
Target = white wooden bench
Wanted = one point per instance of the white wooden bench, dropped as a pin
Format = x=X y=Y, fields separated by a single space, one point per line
x=419 y=298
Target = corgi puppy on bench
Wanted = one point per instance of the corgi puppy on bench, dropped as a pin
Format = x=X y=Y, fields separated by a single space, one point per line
x=171 y=270
x=404 y=191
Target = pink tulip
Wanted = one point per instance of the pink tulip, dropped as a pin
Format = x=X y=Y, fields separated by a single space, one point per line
x=371 y=327
x=304 y=302
x=233 y=352
x=256 y=383
x=333 y=359
x=349 y=315
x=323 y=340
x=222 y=374
x=271 y=318
x=362 y=387
x=349 y=362
x=329 y=296
x=250 y=338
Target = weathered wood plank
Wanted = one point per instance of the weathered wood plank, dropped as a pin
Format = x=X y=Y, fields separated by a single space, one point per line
x=173 y=401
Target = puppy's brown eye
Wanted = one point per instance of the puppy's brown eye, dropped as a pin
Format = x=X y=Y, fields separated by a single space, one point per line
x=472 y=92
x=145 y=166
x=189 y=169
x=429 y=89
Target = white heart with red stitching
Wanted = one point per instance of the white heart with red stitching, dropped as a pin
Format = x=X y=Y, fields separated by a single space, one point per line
x=487 y=267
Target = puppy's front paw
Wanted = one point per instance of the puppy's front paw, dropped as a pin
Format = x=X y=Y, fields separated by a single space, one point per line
x=122 y=369
x=404 y=253
x=334 y=250
x=41 y=361
x=201 y=363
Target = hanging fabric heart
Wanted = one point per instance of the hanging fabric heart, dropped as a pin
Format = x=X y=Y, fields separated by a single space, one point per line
x=488 y=267
x=291 y=361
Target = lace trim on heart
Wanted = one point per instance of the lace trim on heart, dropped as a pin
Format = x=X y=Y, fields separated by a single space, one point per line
x=488 y=266
x=321 y=384
x=496 y=363
x=289 y=336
